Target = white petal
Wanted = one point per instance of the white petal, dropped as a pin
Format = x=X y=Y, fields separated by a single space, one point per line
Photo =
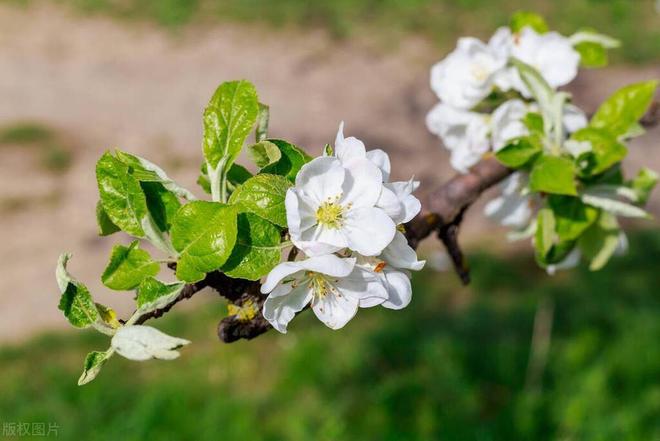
x=329 y=264
x=348 y=149
x=321 y=178
x=300 y=212
x=334 y=310
x=399 y=290
x=364 y=285
x=391 y=204
x=381 y=160
x=362 y=185
x=368 y=230
x=323 y=240
x=574 y=118
x=279 y=311
x=400 y=255
x=410 y=205
x=279 y=273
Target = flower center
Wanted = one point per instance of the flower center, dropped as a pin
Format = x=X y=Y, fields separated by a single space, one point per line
x=479 y=72
x=319 y=284
x=330 y=214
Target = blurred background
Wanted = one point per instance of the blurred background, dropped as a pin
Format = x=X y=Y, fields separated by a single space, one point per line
x=78 y=77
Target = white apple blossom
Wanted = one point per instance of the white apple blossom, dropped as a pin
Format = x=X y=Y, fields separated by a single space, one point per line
x=507 y=122
x=391 y=269
x=334 y=286
x=465 y=76
x=464 y=133
x=550 y=53
x=333 y=206
x=512 y=208
x=396 y=198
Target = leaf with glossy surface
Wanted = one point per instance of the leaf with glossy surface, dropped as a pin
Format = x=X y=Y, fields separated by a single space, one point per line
x=257 y=249
x=128 y=267
x=228 y=119
x=94 y=361
x=76 y=302
x=153 y=294
x=624 y=108
x=553 y=174
x=121 y=195
x=572 y=216
x=521 y=19
x=605 y=151
x=519 y=151
x=643 y=184
x=264 y=153
x=161 y=203
x=105 y=224
x=261 y=130
x=204 y=233
x=264 y=196
x=292 y=160
x=599 y=242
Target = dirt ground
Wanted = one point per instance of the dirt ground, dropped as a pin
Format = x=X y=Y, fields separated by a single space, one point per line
x=102 y=84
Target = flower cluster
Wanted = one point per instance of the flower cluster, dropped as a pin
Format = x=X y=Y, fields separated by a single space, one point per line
x=502 y=98
x=346 y=217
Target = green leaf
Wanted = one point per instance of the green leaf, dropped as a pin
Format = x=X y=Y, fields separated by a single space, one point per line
x=609 y=198
x=261 y=131
x=591 y=36
x=105 y=224
x=519 y=151
x=592 y=54
x=643 y=184
x=204 y=233
x=520 y=19
x=153 y=294
x=624 y=108
x=146 y=171
x=545 y=236
x=605 y=152
x=538 y=87
x=553 y=174
x=257 y=249
x=599 y=242
x=534 y=122
x=108 y=316
x=161 y=203
x=264 y=196
x=264 y=153
x=94 y=361
x=128 y=267
x=228 y=119
x=571 y=215
x=292 y=160
x=121 y=195
x=76 y=301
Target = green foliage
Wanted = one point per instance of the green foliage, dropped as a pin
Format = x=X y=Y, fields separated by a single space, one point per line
x=606 y=150
x=264 y=153
x=105 y=224
x=204 y=234
x=121 y=195
x=592 y=55
x=128 y=267
x=553 y=174
x=600 y=241
x=291 y=160
x=519 y=151
x=228 y=119
x=264 y=196
x=153 y=294
x=572 y=216
x=521 y=19
x=624 y=108
x=643 y=184
x=257 y=249
x=92 y=366
x=76 y=302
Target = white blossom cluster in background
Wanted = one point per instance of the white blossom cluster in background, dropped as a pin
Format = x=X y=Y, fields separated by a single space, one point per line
x=483 y=103
x=346 y=216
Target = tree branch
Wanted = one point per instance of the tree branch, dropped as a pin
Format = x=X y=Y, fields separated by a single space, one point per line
x=442 y=214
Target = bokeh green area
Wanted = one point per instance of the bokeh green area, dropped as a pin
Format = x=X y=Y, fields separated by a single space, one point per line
x=452 y=366
x=635 y=22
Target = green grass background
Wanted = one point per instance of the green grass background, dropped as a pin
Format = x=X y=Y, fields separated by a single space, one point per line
x=451 y=366
x=635 y=22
